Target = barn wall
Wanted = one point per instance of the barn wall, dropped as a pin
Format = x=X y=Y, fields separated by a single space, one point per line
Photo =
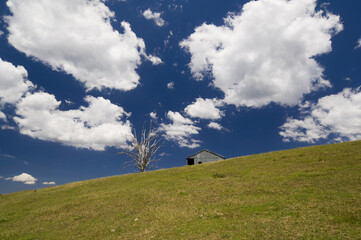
x=206 y=157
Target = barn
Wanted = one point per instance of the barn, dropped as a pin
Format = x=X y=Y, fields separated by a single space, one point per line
x=203 y=156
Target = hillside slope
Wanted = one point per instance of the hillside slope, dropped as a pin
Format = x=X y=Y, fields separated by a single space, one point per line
x=307 y=193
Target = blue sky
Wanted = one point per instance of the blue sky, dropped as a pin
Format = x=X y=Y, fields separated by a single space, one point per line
x=235 y=77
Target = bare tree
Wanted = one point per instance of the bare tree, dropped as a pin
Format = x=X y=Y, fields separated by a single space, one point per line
x=144 y=149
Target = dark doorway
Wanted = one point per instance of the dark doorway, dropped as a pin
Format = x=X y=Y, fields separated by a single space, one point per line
x=190 y=161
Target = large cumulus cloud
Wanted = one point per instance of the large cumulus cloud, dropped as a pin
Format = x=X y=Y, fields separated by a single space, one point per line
x=76 y=36
x=101 y=124
x=337 y=116
x=266 y=53
x=13 y=82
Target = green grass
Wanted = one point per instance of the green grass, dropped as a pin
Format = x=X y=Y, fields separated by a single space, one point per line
x=307 y=193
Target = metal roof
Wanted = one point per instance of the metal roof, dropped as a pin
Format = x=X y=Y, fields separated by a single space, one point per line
x=206 y=151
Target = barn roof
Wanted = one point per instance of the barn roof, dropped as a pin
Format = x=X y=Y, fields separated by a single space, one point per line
x=206 y=151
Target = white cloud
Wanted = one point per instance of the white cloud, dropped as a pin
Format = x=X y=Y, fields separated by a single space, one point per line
x=153 y=115
x=24 y=178
x=170 y=85
x=3 y=117
x=164 y=154
x=77 y=37
x=69 y=102
x=49 y=183
x=7 y=127
x=97 y=126
x=180 y=130
x=174 y=7
x=154 y=60
x=359 y=43
x=13 y=82
x=266 y=53
x=215 y=125
x=204 y=109
x=1 y=33
x=8 y=156
x=155 y=16
x=337 y=116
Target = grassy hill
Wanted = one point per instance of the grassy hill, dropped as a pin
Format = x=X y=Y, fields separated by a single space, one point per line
x=307 y=193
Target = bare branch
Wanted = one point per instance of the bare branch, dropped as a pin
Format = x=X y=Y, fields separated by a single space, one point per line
x=144 y=149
